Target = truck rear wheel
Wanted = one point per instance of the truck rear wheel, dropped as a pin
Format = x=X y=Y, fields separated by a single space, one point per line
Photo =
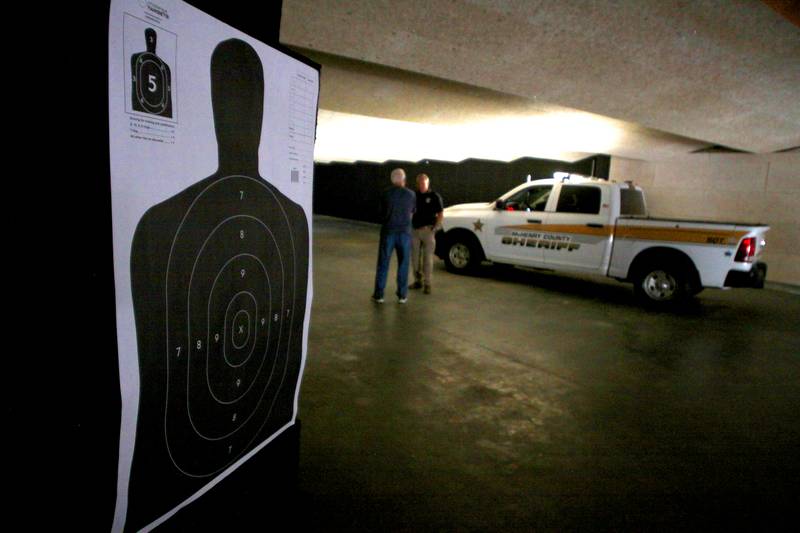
x=461 y=256
x=661 y=285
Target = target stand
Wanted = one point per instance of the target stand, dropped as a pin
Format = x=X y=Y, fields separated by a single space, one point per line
x=151 y=80
x=219 y=276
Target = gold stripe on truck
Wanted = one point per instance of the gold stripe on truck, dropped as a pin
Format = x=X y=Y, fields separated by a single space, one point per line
x=581 y=229
x=605 y=231
x=645 y=233
x=691 y=235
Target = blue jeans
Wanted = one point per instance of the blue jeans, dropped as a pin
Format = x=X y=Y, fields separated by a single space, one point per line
x=399 y=242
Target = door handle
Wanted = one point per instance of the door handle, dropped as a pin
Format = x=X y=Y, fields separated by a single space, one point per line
x=592 y=225
x=534 y=221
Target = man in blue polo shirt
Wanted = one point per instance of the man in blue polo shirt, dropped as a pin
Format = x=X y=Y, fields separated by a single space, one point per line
x=397 y=208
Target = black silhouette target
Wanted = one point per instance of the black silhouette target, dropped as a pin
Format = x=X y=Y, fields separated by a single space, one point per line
x=219 y=276
x=230 y=277
x=151 y=80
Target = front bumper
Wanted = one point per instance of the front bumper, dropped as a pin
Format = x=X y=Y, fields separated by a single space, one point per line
x=753 y=279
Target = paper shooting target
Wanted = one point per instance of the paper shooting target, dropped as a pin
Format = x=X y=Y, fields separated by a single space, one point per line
x=219 y=277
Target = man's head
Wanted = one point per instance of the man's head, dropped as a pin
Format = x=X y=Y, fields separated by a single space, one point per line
x=423 y=183
x=398 y=177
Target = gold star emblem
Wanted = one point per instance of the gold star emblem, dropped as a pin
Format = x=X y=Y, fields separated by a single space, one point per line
x=478 y=225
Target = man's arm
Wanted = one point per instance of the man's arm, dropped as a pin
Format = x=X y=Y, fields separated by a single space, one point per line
x=440 y=213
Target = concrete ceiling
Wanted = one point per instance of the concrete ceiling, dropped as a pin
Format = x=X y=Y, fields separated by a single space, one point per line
x=437 y=119
x=666 y=76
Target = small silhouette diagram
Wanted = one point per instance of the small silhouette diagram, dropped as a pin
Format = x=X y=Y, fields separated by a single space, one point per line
x=151 y=80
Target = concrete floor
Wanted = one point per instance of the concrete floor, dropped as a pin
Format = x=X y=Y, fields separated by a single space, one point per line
x=519 y=400
x=516 y=400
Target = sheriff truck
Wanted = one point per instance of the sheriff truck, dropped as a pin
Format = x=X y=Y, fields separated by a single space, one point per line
x=573 y=223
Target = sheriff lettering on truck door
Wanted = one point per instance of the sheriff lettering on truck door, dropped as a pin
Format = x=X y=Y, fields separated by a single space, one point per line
x=515 y=229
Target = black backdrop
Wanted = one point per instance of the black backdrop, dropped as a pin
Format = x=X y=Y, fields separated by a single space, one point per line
x=352 y=190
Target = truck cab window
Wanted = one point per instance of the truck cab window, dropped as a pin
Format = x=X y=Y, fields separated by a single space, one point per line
x=530 y=199
x=632 y=203
x=579 y=199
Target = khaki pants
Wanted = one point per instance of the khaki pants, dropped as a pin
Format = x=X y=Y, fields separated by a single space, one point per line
x=422 y=264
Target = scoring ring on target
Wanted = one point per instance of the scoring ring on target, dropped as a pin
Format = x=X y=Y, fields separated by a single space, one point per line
x=268 y=342
x=141 y=62
x=230 y=226
x=240 y=329
x=273 y=320
x=234 y=328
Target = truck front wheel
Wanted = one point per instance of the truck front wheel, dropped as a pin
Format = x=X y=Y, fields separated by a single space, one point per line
x=661 y=285
x=461 y=256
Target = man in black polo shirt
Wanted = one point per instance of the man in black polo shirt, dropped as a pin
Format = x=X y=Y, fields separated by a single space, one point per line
x=426 y=221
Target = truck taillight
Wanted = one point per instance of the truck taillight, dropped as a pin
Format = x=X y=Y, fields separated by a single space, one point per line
x=746 y=251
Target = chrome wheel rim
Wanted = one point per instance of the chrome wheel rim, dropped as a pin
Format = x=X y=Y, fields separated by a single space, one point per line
x=660 y=285
x=459 y=255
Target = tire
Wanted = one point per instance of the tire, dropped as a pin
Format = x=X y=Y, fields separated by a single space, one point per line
x=661 y=285
x=461 y=256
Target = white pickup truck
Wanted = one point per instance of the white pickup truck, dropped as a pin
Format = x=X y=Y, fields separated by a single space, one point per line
x=579 y=224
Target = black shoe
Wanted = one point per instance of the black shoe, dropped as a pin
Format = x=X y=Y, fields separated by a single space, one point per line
x=427 y=289
x=415 y=285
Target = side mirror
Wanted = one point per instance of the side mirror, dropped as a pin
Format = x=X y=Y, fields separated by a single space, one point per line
x=500 y=204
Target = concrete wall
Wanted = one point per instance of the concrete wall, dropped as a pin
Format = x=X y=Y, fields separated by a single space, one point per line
x=735 y=187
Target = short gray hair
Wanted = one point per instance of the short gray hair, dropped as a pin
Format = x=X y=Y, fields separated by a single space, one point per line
x=398 y=175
